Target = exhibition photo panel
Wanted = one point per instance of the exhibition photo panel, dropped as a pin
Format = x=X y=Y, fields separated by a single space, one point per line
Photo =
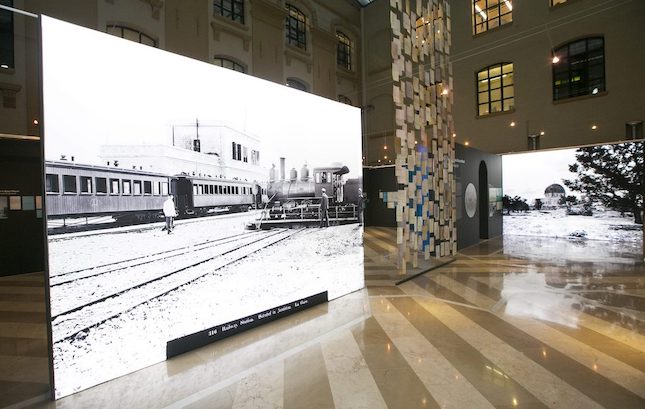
x=185 y=202
x=583 y=198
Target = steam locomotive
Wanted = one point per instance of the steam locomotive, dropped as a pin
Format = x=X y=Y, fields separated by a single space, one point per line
x=299 y=197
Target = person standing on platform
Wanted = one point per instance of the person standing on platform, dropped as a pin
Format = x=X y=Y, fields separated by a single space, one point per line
x=362 y=203
x=169 y=213
x=324 y=209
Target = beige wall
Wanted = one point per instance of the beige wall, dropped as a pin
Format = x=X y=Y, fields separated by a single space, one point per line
x=527 y=43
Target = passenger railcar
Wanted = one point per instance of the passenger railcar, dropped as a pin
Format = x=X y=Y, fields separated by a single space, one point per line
x=198 y=195
x=76 y=190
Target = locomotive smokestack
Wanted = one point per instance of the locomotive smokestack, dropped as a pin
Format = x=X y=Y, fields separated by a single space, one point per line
x=282 y=170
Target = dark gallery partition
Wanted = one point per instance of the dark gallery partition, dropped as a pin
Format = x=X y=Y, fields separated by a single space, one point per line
x=21 y=221
x=376 y=180
x=479 y=193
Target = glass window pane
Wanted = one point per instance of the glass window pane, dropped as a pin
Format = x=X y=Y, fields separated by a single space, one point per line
x=483 y=109
x=495 y=82
x=483 y=97
x=496 y=106
x=495 y=71
x=101 y=185
x=496 y=95
x=509 y=104
x=508 y=92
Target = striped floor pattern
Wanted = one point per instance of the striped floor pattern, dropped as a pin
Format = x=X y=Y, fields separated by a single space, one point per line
x=487 y=331
x=23 y=339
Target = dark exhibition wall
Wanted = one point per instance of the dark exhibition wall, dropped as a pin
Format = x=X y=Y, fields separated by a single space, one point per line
x=21 y=221
x=479 y=195
x=376 y=180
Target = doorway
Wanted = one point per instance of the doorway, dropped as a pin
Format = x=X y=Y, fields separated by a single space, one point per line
x=483 y=201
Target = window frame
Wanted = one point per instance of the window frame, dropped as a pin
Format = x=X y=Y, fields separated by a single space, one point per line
x=221 y=61
x=104 y=183
x=115 y=182
x=53 y=177
x=82 y=185
x=65 y=190
x=502 y=86
x=123 y=28
x=298 y=84
x=344 y=99
x=587 y=86
x=296 y=27
x=344 y=47
x=7 y=28
x=487 y=10
x=234 y=11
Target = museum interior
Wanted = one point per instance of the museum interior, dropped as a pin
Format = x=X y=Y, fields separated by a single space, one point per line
x=322 y=204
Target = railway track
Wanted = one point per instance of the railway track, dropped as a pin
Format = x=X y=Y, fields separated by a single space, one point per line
x=78 y=293
x=94 y=271
x=74 y=322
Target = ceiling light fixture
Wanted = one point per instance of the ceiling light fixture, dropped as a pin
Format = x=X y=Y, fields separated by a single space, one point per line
x=512 y=123
x=555 y=59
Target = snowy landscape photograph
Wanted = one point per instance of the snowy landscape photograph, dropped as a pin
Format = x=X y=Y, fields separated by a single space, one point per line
x=185 y=200
x=583 y=194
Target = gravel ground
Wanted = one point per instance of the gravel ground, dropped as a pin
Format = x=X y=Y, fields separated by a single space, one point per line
x=311 y=261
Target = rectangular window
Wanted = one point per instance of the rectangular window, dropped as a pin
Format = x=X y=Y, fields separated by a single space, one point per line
x=6 y=37
x=147 y=187
x=137 y=187
x=234 y=151
x=101 y=186
x=51 y=183
x=488 y=14
x=127 y=187
x=495 y=89
x=239 y=152
x=156 y=188
x=164 y=188
x=86 y=184
x=245 y=154
x=195 y=189
x=232 y=9
x=69 y=184
x=115 y=187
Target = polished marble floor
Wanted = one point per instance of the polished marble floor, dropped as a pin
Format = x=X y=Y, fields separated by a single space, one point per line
x=509 y=324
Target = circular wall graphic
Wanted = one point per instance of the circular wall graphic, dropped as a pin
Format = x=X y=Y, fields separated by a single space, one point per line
x=470 y=200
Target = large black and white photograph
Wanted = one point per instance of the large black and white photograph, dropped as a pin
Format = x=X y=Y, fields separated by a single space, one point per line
x=181 y=196
x=585 y=194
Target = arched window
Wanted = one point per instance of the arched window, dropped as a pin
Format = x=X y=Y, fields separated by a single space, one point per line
x=297 y=84
x=296 y=25
x=131 y=34
x=579 y=68
x=489 y=14
x=233 y=9
x=344 y=51
x=230 y=64
x=344 y=99
x=495 y=89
